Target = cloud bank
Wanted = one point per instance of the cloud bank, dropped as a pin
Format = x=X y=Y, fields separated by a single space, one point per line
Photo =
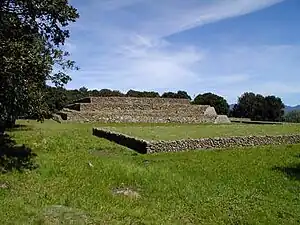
x=125 y=44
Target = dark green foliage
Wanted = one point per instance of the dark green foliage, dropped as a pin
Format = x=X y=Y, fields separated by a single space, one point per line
x=31 y=35
x=108 y=93
x=56 y=98
x=83 y=90
x=219 y=103
x=183 y=94
x=143 y=94
x=179 y=94
x=258 y=107
x=292 y=117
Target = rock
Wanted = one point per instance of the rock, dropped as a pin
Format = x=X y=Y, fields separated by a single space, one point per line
x=222 y=119
x=4 y=185
x=56 y=118
x=60 y=214
x=210 y=111
x=126 y=192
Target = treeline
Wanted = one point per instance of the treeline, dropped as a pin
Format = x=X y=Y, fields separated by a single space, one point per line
x=249 y=105
x=57 y=97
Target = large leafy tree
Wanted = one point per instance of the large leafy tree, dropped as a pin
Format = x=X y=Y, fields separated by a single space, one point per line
x=56 y=98
x=32 y=33
x=258 y=107
x=218 y=102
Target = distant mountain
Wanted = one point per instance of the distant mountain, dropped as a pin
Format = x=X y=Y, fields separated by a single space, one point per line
x=291 y=108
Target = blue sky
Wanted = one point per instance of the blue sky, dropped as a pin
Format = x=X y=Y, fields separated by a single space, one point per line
x=223 y=46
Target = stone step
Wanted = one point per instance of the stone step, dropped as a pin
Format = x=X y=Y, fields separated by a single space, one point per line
x=128 y=118
x=125 y=107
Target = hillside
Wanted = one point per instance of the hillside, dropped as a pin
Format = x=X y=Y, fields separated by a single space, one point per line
x=291 y=108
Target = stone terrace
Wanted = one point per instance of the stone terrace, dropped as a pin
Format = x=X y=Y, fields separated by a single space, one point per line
x=141 y=110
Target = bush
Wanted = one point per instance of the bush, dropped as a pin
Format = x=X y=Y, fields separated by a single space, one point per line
x=292 y=117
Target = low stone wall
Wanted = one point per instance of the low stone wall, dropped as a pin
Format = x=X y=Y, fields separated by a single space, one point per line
x=218 y=143
x=130 y=142
x=143 y=146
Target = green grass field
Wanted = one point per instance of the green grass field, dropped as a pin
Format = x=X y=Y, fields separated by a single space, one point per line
x=79 y=172
x=174 y=132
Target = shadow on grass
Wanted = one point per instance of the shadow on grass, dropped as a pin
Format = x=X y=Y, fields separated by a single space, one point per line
x=15 y=157
x=292 y=172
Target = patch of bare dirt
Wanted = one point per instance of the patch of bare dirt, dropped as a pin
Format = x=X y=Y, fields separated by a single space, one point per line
x=59 y=214
x=4 y=185
x=128 y=192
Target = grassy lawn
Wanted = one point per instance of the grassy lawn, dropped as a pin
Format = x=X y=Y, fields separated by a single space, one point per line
x=167 y=132
x=78 y=172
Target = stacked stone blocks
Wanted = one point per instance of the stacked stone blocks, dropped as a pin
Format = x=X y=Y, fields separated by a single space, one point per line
x=140 y=110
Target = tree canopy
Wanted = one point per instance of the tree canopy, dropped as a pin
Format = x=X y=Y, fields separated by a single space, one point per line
x=145 y=94
x=179 y=94
x=258 y=107
x=32 y=33
x=218 y=102
x=292 y=116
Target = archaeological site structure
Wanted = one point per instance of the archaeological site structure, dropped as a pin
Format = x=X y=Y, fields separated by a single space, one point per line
x=139 y=110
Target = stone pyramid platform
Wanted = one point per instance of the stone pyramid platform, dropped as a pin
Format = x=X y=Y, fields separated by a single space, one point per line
x=138 y=110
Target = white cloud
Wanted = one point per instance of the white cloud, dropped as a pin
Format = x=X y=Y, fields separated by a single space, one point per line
x=180 y=15
x=116 y=4
x=125 y=47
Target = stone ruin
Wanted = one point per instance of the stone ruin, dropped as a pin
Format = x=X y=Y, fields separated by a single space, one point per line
x=139 y=110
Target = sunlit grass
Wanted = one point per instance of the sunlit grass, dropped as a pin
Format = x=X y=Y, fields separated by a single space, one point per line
x=167 y=132
x=235 y=186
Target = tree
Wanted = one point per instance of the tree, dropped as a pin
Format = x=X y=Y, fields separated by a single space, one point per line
x=142 y=94
x=83 y=89
x=110 y=93
x=274 y=108
x=292 y=117
x=179 y=94
x=183 y=94
x=32 y=33
x=258 y=107
x=218 y=102
x=56 y=98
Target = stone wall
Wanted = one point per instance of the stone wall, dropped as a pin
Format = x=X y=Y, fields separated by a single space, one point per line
x=145 y=110
x=137 y=101
x=196 y=109
x=219 y=143
x=138 y=145
x=134 y=117
x=143 y=146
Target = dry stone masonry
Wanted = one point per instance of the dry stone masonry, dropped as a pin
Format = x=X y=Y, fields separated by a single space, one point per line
x=139 y=110
x=143 y=146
